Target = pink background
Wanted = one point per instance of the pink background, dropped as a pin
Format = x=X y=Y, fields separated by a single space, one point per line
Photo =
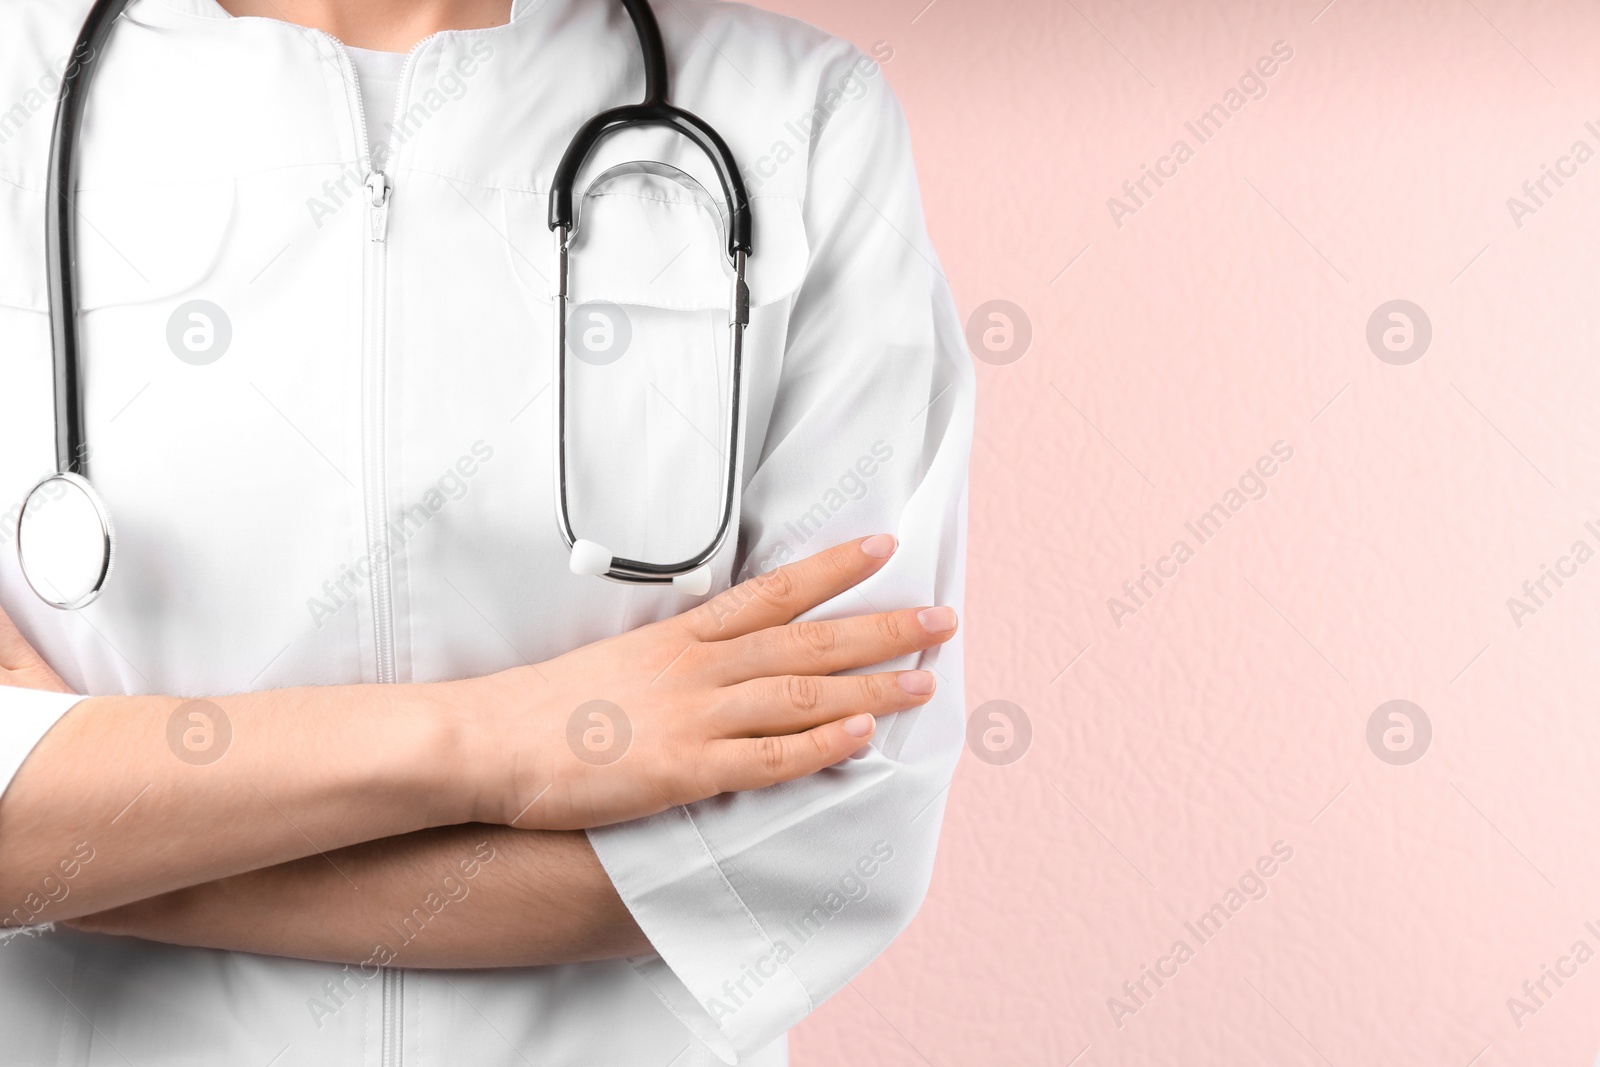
x=1230 y=712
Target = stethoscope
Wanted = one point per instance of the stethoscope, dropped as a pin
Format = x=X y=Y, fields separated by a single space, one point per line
x=66 y=542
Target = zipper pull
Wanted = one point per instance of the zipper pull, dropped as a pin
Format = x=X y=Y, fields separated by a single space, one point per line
x=378 y=190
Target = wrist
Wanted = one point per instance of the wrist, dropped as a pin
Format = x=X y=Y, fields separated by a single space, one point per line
x=438 y=766
x=488 y=722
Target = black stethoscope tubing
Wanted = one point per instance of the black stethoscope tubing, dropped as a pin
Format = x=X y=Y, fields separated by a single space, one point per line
x=61 y=260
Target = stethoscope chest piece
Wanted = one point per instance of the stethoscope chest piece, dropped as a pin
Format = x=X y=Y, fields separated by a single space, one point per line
x=65 y=541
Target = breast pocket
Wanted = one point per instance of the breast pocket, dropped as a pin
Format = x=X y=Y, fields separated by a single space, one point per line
x=138 y=251
x=649 y=361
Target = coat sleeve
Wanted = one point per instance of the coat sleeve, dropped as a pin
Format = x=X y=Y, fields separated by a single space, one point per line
x=763 y=904
x=26 y=715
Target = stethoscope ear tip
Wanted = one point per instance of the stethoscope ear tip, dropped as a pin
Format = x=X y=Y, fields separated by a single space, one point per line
x=589 y=559
x=696 y=583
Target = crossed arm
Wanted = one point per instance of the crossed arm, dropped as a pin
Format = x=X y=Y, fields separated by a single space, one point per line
x=471 y=895
x=460 y=896
x=430 y=868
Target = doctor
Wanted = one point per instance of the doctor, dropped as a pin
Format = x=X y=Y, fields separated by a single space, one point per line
x=346 y=765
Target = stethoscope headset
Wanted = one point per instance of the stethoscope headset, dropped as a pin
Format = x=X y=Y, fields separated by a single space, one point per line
x=65 y=538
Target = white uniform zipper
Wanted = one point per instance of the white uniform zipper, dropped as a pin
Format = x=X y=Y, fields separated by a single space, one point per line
x=379 y=190
x=373 y=418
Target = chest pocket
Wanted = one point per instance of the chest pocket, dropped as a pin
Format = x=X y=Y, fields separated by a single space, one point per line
x=139 y=251
x=648 y=355
x=22 y=280
x=142 y=251
x=135 y=245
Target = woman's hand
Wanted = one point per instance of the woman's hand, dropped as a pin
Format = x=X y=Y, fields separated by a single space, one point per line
x=20 y=665
x=732 y=695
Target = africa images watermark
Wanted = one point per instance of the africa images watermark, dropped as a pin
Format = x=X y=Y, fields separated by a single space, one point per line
x=851 y=888
x=1252 y=485
x=53 y=889
x=1251 y=886
x=339 y=592
x=452 y=888
x=1538 y=592
x=999 y=732
x=850 y=487
x=802 y=130
x=1252 y=85
x=41 y=94
x=52 y=490
x=1537 y=192
x=1536 y=992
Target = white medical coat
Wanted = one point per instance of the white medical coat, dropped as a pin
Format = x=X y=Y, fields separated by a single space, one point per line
x=359 y=487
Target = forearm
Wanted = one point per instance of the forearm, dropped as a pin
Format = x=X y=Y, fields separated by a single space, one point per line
x=459 y=897
x=724 y=698
x=163 y=799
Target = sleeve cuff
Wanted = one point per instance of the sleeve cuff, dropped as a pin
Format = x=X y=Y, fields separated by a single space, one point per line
x=26 y=715
x=716 y=968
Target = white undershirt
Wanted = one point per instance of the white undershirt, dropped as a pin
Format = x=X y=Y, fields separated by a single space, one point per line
x=378 y=74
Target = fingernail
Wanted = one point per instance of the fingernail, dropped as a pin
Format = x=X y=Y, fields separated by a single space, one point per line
x=859 y=725
x=917 y=683
x=937 y=620
x=879 y=546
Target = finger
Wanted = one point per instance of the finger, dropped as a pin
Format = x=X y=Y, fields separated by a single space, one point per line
x=772 y=707
x=22 y=663
x=15 y=652
x=762 y=761
x=824 y=647
x=776 y=597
